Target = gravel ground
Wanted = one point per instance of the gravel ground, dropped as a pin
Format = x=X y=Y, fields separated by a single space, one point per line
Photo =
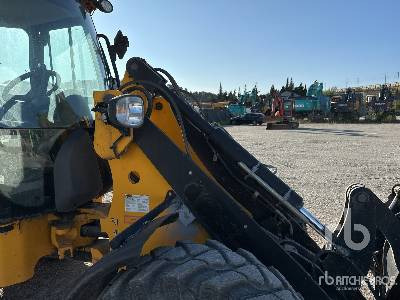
x=318 y=160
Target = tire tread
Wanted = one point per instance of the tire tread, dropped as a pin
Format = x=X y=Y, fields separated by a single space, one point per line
x=200 y=271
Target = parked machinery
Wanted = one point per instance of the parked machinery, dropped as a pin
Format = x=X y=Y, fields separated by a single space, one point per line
x=347 y=107
x=396 y=102
x=215 y=112
x=396 y=105
x=246 y=102
x=315 y=106
x=381 y=107
x=281 y=116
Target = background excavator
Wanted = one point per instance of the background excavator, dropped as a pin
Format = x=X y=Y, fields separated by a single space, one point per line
x=281 y=116
x=193 y=215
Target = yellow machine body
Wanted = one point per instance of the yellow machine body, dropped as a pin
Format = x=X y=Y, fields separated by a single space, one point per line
x=31 y=239
x=151 y=187
x=21 y=248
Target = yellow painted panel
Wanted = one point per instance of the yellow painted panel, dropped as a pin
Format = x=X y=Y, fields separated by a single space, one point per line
x=152 y=185
x=21 y=249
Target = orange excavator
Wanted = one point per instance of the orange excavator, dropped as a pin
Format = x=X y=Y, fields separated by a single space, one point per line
x=281 y=116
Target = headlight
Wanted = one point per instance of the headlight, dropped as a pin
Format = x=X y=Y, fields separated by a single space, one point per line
x=127 y=111
x=104 y=6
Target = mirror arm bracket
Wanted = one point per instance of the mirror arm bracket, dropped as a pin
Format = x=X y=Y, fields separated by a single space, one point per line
x=113 y=56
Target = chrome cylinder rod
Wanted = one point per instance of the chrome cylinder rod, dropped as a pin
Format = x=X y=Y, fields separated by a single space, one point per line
x=301 y=213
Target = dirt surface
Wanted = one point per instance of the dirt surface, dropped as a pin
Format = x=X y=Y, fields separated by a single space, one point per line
x=318 y=160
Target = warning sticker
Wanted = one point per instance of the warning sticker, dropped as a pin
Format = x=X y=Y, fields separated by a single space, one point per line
x=137 y=203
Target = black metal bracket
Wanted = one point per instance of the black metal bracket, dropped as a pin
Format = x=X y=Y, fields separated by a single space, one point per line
x=366 y=224
x=131 y=230
x=127 y=247
x=220 y=214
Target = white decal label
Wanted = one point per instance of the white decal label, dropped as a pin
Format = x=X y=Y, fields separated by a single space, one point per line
x=137 y=203
x=1 y=179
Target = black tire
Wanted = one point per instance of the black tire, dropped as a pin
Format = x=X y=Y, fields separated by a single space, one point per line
x=199 y=271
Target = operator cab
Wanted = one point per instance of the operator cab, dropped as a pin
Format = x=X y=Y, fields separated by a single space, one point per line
x=50 y=64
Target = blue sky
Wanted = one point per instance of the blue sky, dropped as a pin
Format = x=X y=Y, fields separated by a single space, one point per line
x=242 y=42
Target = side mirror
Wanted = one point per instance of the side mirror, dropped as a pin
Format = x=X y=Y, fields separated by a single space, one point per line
x=121 y=44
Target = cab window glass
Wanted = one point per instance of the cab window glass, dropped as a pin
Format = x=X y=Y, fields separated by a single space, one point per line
x=73 y=58
x=71 y=53
x=14 y=58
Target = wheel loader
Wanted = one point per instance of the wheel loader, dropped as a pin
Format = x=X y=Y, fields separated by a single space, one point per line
x=166 y=205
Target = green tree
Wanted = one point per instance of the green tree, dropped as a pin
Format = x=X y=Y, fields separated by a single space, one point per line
x=230 y=96
x=255 y=90
x=291 y=85
x=286 y=87
x=220 y=93
x=331 y=92
x=224 y=96
x=272 y=90
x=300 y=90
